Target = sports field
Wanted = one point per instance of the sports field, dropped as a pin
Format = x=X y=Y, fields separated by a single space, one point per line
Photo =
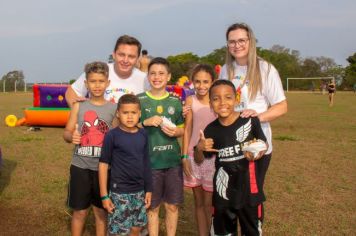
x=310 y=186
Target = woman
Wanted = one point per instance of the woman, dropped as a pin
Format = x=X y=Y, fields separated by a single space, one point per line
x=258 y=86
x=331 y=90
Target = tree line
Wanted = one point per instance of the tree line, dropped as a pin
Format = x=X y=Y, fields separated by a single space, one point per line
x=288 y=62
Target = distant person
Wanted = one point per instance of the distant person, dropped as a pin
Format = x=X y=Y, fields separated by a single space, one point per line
x=354 y=87
x=237 y=195
x=331 y=90
x=88 y=123
x=199 y=177
x=125 y=150
x=144 y=61
x=124 y=77
x=161 y=116
x=258 y=86
x=323 y=87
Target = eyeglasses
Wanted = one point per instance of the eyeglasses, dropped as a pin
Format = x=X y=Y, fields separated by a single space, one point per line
x=234 y=43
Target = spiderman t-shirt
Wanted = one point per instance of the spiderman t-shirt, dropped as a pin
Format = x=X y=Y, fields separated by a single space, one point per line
x=93 y=123
x=236 y=180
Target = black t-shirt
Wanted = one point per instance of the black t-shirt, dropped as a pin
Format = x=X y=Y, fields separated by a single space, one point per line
x=235 y=179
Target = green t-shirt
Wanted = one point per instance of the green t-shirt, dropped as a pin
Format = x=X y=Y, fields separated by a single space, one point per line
x=164 y=151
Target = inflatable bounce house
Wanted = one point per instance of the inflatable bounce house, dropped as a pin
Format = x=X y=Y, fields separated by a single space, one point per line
x=49 y=107
x=181 y=88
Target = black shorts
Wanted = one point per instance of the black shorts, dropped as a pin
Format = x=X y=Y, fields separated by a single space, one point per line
x=250 y=218
x=83 y=189
x=167 y=186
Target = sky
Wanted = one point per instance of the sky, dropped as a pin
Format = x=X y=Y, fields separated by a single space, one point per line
x=50 y=41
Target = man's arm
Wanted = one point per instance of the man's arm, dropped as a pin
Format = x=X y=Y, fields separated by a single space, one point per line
x=72 y=97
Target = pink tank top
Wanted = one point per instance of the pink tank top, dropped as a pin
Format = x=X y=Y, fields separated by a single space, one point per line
x=202 y=116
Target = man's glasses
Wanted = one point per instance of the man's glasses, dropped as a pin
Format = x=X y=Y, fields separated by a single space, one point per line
x=234 y=43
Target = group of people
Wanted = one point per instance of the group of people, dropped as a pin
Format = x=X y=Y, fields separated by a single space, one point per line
x=127 y=160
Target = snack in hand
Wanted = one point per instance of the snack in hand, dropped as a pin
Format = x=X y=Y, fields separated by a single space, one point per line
x=167 y=122
x=254 y=146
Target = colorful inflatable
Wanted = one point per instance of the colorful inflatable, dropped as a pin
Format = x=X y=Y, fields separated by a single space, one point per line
x=49 y=95
x=45 y=116
x=179 y=91
x=49 y=107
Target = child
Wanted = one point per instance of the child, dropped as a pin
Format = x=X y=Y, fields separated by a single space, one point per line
x=199 y=177
x=125 y=149
x=238 y=190
x=87 y=125
x=162 y=118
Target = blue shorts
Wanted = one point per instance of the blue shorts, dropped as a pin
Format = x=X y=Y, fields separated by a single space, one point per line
x=129 y=212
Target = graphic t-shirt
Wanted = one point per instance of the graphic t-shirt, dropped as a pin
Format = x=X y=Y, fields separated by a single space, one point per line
x=135 y=84
x=272 y=92
x=164 y=151
x=235 y=178
x=93 y=123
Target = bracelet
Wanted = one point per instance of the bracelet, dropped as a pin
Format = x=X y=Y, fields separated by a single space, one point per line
x=105 y=197
x=143 y=126
x=185 y=156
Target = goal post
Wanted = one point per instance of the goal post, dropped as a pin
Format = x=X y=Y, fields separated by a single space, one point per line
x=309 y=78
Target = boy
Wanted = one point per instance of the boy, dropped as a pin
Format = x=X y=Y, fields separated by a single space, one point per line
x=162 y=118
x=88 y=123
x=126 y=151
x=238 y=193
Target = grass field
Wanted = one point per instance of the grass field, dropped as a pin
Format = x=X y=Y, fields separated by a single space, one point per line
x=310 y=186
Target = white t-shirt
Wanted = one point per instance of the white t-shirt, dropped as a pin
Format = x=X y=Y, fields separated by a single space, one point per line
x=272 y=92
x=135 y=84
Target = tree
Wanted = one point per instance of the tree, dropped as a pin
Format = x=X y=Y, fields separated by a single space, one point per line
x=325 y=63
x=217 y=57
x=286 y=63
x=10 y=78
x=181 y=64
x=350 y=72
x=311 y=68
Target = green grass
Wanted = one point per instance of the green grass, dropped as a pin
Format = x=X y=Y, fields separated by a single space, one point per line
x=310 y=185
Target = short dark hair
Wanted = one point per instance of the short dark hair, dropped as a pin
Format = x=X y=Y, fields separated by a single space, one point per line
x=222 y=82
x=96 y=67
x=127 y=39
x=203 y=67
x=144 y=52
x=159 y=61
x=128 y=99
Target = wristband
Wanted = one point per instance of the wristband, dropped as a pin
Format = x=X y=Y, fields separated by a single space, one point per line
x=185 y=156
x=143 y=126
x=105 y=197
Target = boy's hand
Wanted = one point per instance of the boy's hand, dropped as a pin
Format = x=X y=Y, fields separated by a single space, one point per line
x=169 y=131
x=153 y=121
x=76 y=135
x=108 y=205
x=206 y=144
x=148 y=197
x=187 y=168
x=251 y=157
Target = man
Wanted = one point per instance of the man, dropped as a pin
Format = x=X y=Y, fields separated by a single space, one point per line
x=144 y=61
x=124 y=77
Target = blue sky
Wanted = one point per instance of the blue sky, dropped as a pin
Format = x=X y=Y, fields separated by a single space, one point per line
x=50 y=41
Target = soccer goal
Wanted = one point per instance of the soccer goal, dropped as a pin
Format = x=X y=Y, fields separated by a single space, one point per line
x=308 y=83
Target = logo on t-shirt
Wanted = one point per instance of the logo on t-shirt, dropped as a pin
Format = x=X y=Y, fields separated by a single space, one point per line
x=159 y=109
x=92 y=131
x=171 y=110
